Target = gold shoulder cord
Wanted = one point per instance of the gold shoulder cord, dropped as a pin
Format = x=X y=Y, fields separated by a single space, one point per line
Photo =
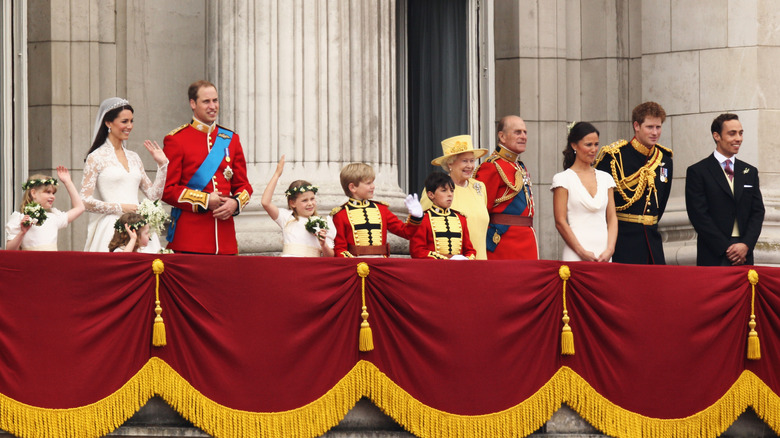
x=642 y=179
x=514 y=189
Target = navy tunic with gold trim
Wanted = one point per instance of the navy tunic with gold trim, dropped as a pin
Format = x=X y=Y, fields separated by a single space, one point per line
x=644 y=181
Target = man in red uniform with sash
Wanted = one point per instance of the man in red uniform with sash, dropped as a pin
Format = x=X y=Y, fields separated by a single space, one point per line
x=206 y=182
x=510 y=202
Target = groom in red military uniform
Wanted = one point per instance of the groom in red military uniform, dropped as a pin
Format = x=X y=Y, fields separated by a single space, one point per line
x=510 y=202
x=206 y=183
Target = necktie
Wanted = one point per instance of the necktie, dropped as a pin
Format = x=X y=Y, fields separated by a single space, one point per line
x=728 y=169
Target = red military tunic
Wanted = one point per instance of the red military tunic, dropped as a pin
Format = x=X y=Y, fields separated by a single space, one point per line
x=197 y=230
x=443 y=233
x=364 y=223
x=511 y=206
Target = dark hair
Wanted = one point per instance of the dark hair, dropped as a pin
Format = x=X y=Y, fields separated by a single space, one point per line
x=102 y=133
x=717 y=124
x=438 y=179
x=647 y=109
x=577 y=133
x=120 y=236
x=192 y=92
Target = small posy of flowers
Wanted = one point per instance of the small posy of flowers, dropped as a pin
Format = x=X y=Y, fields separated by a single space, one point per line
x=315 y=223
x=155 y=215
x=165 y=251
x=302 y=189
x=36 y=212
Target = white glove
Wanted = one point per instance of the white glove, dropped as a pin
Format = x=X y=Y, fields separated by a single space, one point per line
x=458 y=257
x=413 y=205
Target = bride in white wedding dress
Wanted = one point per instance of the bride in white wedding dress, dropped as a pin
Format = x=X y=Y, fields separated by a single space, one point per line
x=113 y=175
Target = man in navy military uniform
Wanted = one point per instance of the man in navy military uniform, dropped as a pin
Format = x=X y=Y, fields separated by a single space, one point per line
x=642 y=170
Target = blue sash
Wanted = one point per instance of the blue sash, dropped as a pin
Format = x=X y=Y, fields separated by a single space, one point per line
x=204 y=173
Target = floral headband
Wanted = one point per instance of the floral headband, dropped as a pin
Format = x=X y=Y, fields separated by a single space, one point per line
x=39 y=181
x=302 y=189
x=119 y=226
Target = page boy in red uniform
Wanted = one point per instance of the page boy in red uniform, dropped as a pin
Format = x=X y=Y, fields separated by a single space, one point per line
x=443 y=233
x=361 y=223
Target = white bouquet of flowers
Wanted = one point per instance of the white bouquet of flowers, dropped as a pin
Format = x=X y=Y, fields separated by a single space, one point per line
x=314 y=224
x=36 y=212
x=155 y=215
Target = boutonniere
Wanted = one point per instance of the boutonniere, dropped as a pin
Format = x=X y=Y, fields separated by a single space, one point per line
x=744 y=172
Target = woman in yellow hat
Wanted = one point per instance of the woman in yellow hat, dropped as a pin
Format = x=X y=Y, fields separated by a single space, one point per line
x=470 y=199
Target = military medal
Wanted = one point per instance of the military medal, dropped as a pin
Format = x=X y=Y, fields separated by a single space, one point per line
x=227 y=154
x=664 y=174
x=228 y=173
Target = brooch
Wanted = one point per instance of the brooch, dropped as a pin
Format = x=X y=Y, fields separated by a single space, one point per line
x=228 y=173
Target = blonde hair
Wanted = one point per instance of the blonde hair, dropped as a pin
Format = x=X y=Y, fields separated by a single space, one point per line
x=27 y=197
x=355 y=173
x=121 y=238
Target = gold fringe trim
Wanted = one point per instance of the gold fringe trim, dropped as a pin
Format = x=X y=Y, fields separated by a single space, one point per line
x=365 y=379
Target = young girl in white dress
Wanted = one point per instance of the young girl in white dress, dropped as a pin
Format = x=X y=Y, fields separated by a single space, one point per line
x=302 y=204
x=113 y=174
x=131 y=233
x=21 y=231
x=583 y=204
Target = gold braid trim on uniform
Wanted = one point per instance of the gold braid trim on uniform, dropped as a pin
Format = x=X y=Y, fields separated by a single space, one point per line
x=447 y=231
x=175 y=130
x=243 y=199
x=631 y=188
x=514 y=189
x=196 y=198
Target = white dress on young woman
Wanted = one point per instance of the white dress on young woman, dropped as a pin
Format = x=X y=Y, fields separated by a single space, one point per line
x=297 y=241
x=38 y=238
x=107 y=185
x=586 y=214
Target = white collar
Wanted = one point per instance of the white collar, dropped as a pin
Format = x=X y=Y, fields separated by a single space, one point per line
x=721 y=158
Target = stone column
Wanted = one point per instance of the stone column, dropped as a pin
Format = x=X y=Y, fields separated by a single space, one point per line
x=314 y=81
x=72 y=64
x=700 y=62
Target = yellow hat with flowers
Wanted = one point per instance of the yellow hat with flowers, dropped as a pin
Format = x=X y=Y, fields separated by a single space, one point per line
x=457 y=145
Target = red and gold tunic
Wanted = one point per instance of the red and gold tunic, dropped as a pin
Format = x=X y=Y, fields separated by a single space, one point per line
x=362 y=226
x=511 y=206
x=197 y=230
x=443 y=233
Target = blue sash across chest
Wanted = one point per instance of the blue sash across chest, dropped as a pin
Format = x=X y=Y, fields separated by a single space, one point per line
x=204 y=173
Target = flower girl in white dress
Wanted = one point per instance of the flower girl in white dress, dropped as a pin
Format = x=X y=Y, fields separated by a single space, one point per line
x=36 y=225
x=305 y=234
x=113 y=174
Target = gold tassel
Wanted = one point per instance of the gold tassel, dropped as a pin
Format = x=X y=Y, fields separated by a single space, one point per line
x=567 y=336
x=366 y=337
x=158 y=331
x=754 y=346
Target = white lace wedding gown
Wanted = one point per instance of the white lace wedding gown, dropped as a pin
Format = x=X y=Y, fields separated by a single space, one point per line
x=107 y=185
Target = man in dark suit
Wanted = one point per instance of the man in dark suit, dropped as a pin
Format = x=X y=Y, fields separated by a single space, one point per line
x=723 y=200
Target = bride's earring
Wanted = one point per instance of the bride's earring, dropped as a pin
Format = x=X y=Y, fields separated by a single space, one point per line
x=109 y=131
